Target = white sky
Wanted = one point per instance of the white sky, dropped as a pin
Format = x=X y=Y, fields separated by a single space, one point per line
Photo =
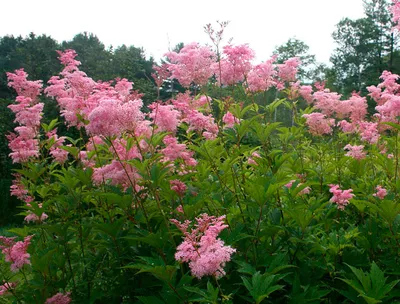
x=156 y=24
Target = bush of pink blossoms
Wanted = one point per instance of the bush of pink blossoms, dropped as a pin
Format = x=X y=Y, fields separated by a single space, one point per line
x=268 y=211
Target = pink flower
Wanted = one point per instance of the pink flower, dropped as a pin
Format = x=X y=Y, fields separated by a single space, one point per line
x=346 y=126
x=193 y=64
x=177 y=186
x=230 y=120
x=251 y=160
x=306 y=93
x=235 y=64
x=59 y=298
x=369 y=131
x=166 y=117
x=23 y=147
x=32 y=217
x=73 y=90
x=340 y=197
x=174 y=151
x=15 y=252
x=380 y=192
x=355 y=152
x=123 y=87
x=327 y=102
x=306 y=190
x=358 y=107
x=395 y=9
x=67 y=58
x=56 y=142
x=318 y=124
x=6 y=287
x=290 y=184
x=28 y=114
x=18 y=189
x=104 y=119
x=262 y=76
x=205 y=253
x=199 y=122
x=116 y=174
x=288 y=70
x=180 y=209
x=18 y=81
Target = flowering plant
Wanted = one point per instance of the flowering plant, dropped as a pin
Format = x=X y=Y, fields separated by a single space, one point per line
x=268 y=211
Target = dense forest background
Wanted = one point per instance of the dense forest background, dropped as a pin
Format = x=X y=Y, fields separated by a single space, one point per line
x=364 y=49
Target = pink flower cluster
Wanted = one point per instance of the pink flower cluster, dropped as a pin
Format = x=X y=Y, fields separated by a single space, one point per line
x=306 y=92
x=229 y=120
x=396 y=14
x=318 y=124
x=56 y=142
x=329 y=103
x=117 y=174
x=18 y=81
x=193 y=64
x=112 y=117
x=59 y=298
x=235 y=64
x=18 y=190
x=262 y=76
x=288 y=70
x=175 y=151
x=28 y=113
x=15 y=252
x=380 y=192
x=178 y=186
x=192 y=114
x=165 y=117
x=6 y=287
x=205 y=253
x=340 y=197
x=355 y=152
x=369 y=131
x=387 y=96
x=251 y=159
x=72 y=90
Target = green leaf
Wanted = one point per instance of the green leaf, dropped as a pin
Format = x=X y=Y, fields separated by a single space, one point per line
x=392 y=124
x=74 y=151
x=261 y=285
x=111 y=229
x=371 y=286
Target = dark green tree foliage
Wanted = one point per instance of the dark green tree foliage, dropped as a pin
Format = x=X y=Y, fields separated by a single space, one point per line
x=36 y=54
x=378 y=12
x=95 y=58
x=365 y=48
x=131 y=63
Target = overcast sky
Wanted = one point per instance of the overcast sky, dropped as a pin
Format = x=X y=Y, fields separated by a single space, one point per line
x=157 y=24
